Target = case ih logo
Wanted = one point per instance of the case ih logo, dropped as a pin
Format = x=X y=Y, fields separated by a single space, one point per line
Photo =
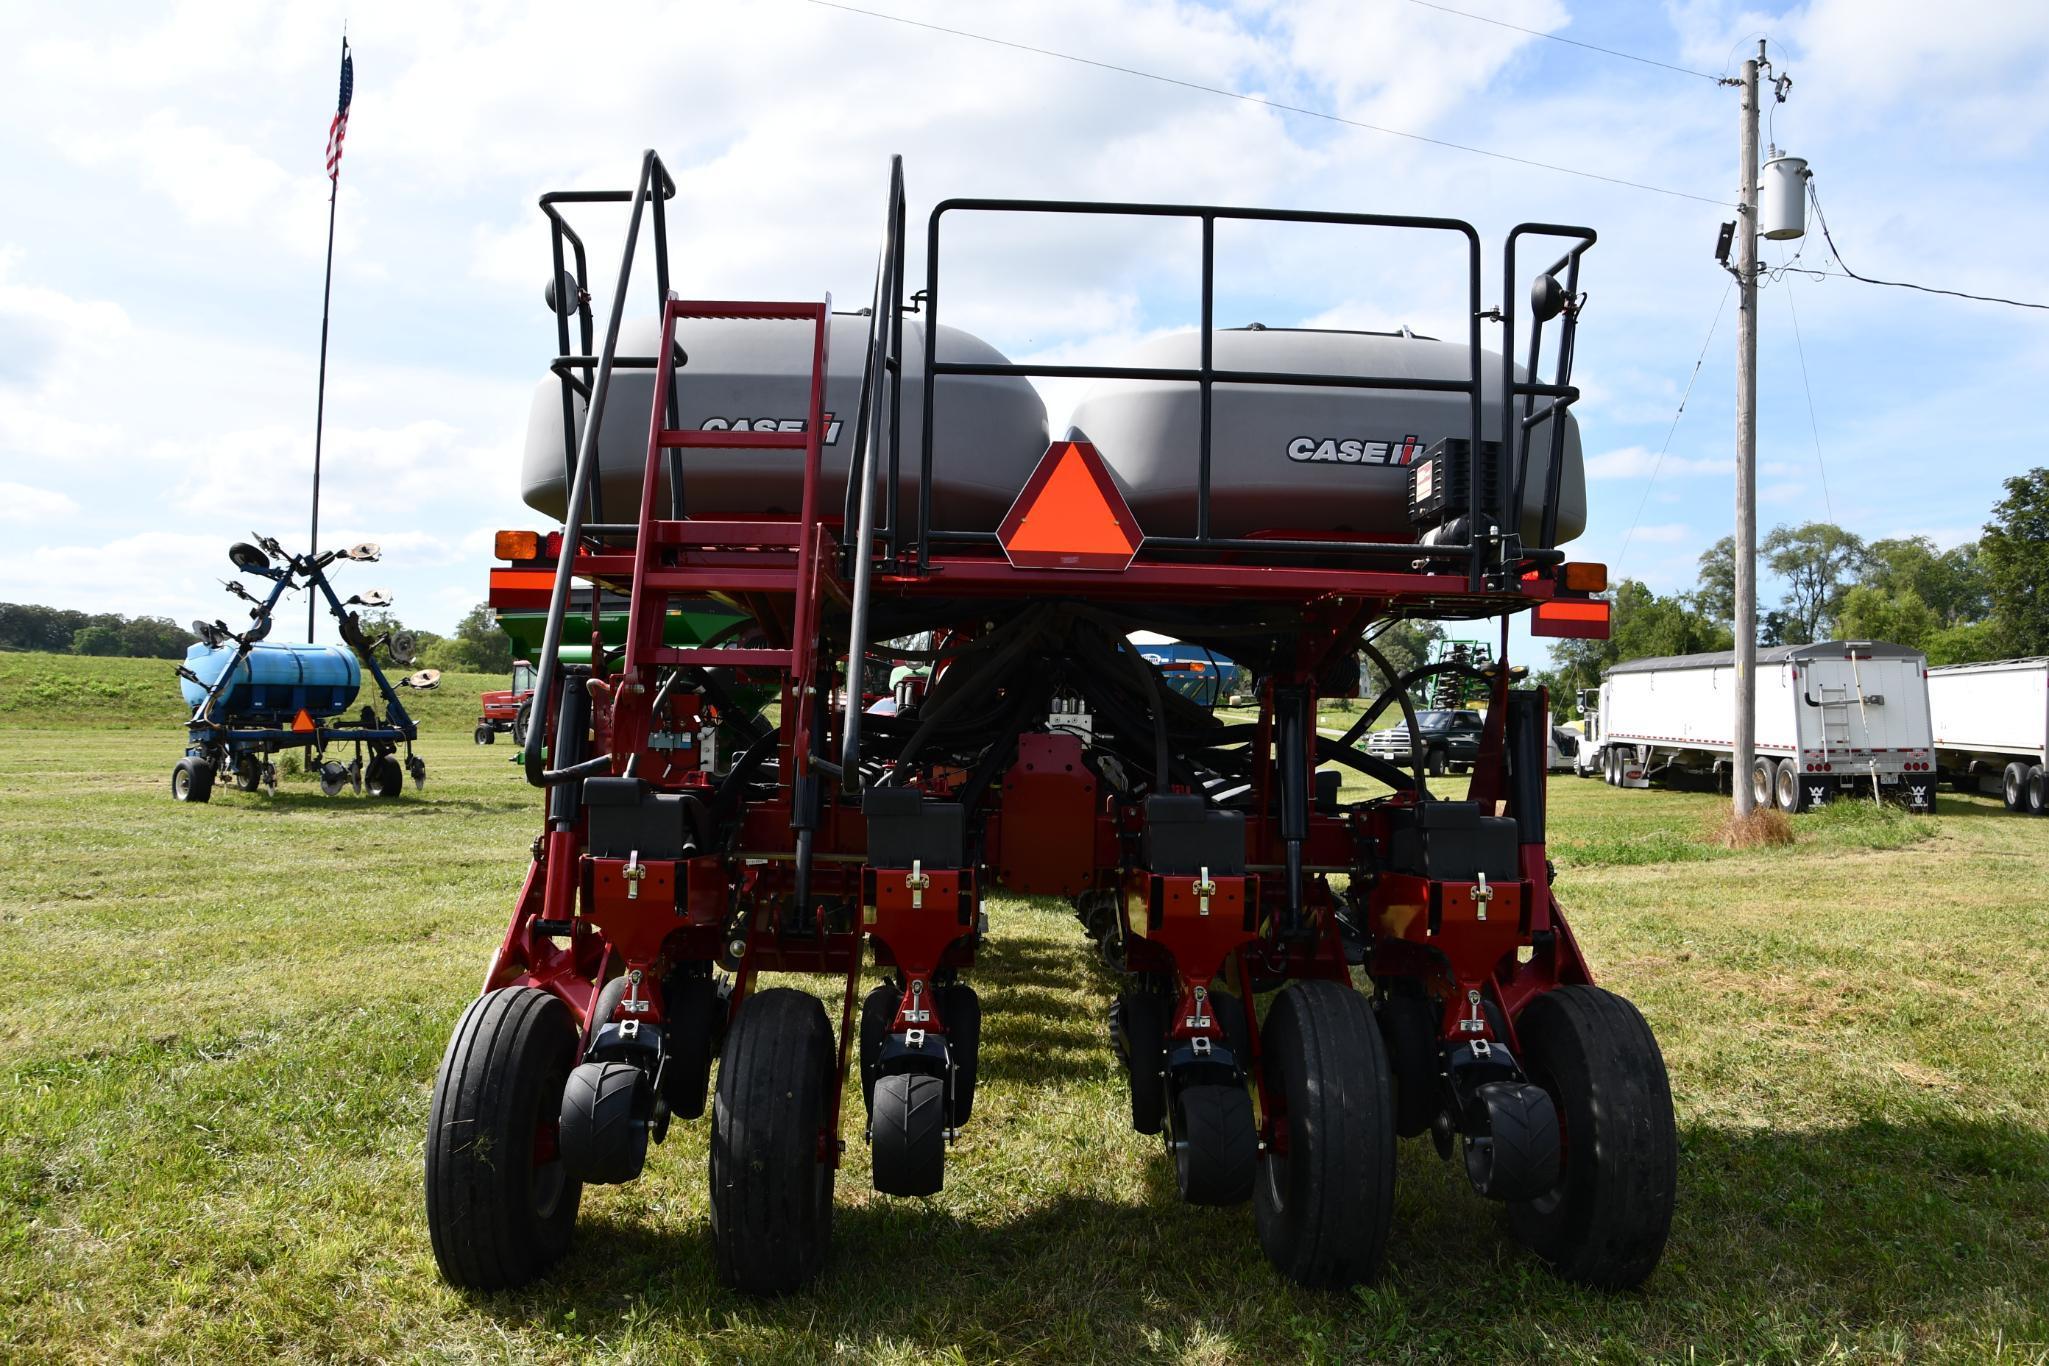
x=771 y=424
x=1305 y=450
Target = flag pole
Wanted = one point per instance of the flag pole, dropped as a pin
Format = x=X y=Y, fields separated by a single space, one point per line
x=320 y=401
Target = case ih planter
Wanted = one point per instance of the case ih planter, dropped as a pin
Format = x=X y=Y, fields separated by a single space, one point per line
x=251 y=696
x=1416 y=972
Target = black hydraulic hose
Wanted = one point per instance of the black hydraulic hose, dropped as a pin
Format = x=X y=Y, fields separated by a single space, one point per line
x=1408 y=715
x=1377 y=768
x=727 y=794
x=1025 y=633
x=1401 y=686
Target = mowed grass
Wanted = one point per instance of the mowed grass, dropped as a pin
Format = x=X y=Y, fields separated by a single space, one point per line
x=219 y=1027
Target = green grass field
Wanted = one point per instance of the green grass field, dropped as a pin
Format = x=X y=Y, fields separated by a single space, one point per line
x=219 y=1027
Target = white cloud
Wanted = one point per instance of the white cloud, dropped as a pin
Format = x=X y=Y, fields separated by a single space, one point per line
x=1636 y=462
x=31 y=506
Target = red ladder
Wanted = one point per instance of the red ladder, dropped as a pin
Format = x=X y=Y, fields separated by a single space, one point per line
x=795 y=569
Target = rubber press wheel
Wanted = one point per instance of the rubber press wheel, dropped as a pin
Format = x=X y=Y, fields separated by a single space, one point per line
x=907 y=1134
x=1216 y=1145
x=771 y=1187
x=248 y=774
x=1325 y=1195
x=500 y=1204
x=1604 y=1224
x=192 y=780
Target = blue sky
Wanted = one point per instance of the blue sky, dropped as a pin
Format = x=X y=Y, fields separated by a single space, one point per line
x=160 y=257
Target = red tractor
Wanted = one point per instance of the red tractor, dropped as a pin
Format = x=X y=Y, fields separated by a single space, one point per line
x=1318 y=953
x=501 y=714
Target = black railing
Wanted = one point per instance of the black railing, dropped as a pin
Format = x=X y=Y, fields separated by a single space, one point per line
x=1493 y=541
x=653 y=187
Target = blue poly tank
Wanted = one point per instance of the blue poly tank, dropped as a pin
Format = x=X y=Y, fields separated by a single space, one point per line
x=275 y=681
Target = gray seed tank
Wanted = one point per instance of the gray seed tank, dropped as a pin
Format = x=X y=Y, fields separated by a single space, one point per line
x=1303 y=460
x=742 y=375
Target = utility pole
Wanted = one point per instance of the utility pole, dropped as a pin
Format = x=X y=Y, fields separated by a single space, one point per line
x=1746 y=451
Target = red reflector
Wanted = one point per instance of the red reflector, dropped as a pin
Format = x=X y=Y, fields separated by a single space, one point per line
x=303 y=722
x=1070 y=515
x=1569 y=619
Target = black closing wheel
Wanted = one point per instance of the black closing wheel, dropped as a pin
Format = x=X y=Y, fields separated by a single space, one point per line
x=1325 y=1194
x=1216 y=1145
x=1141 y=1032
x=385 y=778
x=878 y=1012
x=962 y=1011
x=248 y=773
x=2013 y=787
x=907 y=1134
x=603 y=1142
x=192 y=780
x=500 y=1203
x=1408 y=1021
x=694 y=1010
x=771 y=1187
x=1604 y=1223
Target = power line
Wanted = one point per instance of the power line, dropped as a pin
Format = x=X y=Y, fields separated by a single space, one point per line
x=1814 y=424
x=1659 y=463
x=1815 y=199
x=1560 y=38
x=1276 y=105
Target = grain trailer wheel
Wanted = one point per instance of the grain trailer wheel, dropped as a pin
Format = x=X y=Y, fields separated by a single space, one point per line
x=1789 y=788
x=2038 y=791
x=1604 y=1224
x=1763 y=778
x=500 y=1204
x=1325 y=1195
x=771 y=1180
x=192 y=780
x=2013 y=787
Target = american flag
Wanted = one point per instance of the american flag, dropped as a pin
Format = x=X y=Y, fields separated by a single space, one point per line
x=339 y=129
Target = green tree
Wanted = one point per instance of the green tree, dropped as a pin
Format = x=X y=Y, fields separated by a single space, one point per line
x=1950 y=582
x=1872 y=613
x=1715 y=597
x=97 y=640
x=1818 y=561
x=2014 y=552
x=480 y=645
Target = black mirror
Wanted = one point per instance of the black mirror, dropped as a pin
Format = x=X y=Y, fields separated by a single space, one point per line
x=562 y=294
x=1547 y=298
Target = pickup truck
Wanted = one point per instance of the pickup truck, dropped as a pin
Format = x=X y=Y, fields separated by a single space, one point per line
x=1450 y=740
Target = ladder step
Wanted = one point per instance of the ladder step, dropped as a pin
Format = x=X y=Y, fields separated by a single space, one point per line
x=716 y=655
x=756 y=312
x=687 y=439
x=705 y=531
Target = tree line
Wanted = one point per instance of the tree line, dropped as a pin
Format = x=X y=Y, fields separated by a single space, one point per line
x=25 y=626
x=477 y=646
x=1986 y=599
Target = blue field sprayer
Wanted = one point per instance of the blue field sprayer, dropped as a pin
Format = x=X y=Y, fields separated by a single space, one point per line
x=251 y=696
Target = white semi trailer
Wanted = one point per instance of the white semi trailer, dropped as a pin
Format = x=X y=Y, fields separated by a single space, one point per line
x=1835 y=717
x=1991 y=726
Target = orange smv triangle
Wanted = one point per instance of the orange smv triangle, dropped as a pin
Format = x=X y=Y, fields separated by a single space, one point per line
x=1070 y=515
x=303 y=721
